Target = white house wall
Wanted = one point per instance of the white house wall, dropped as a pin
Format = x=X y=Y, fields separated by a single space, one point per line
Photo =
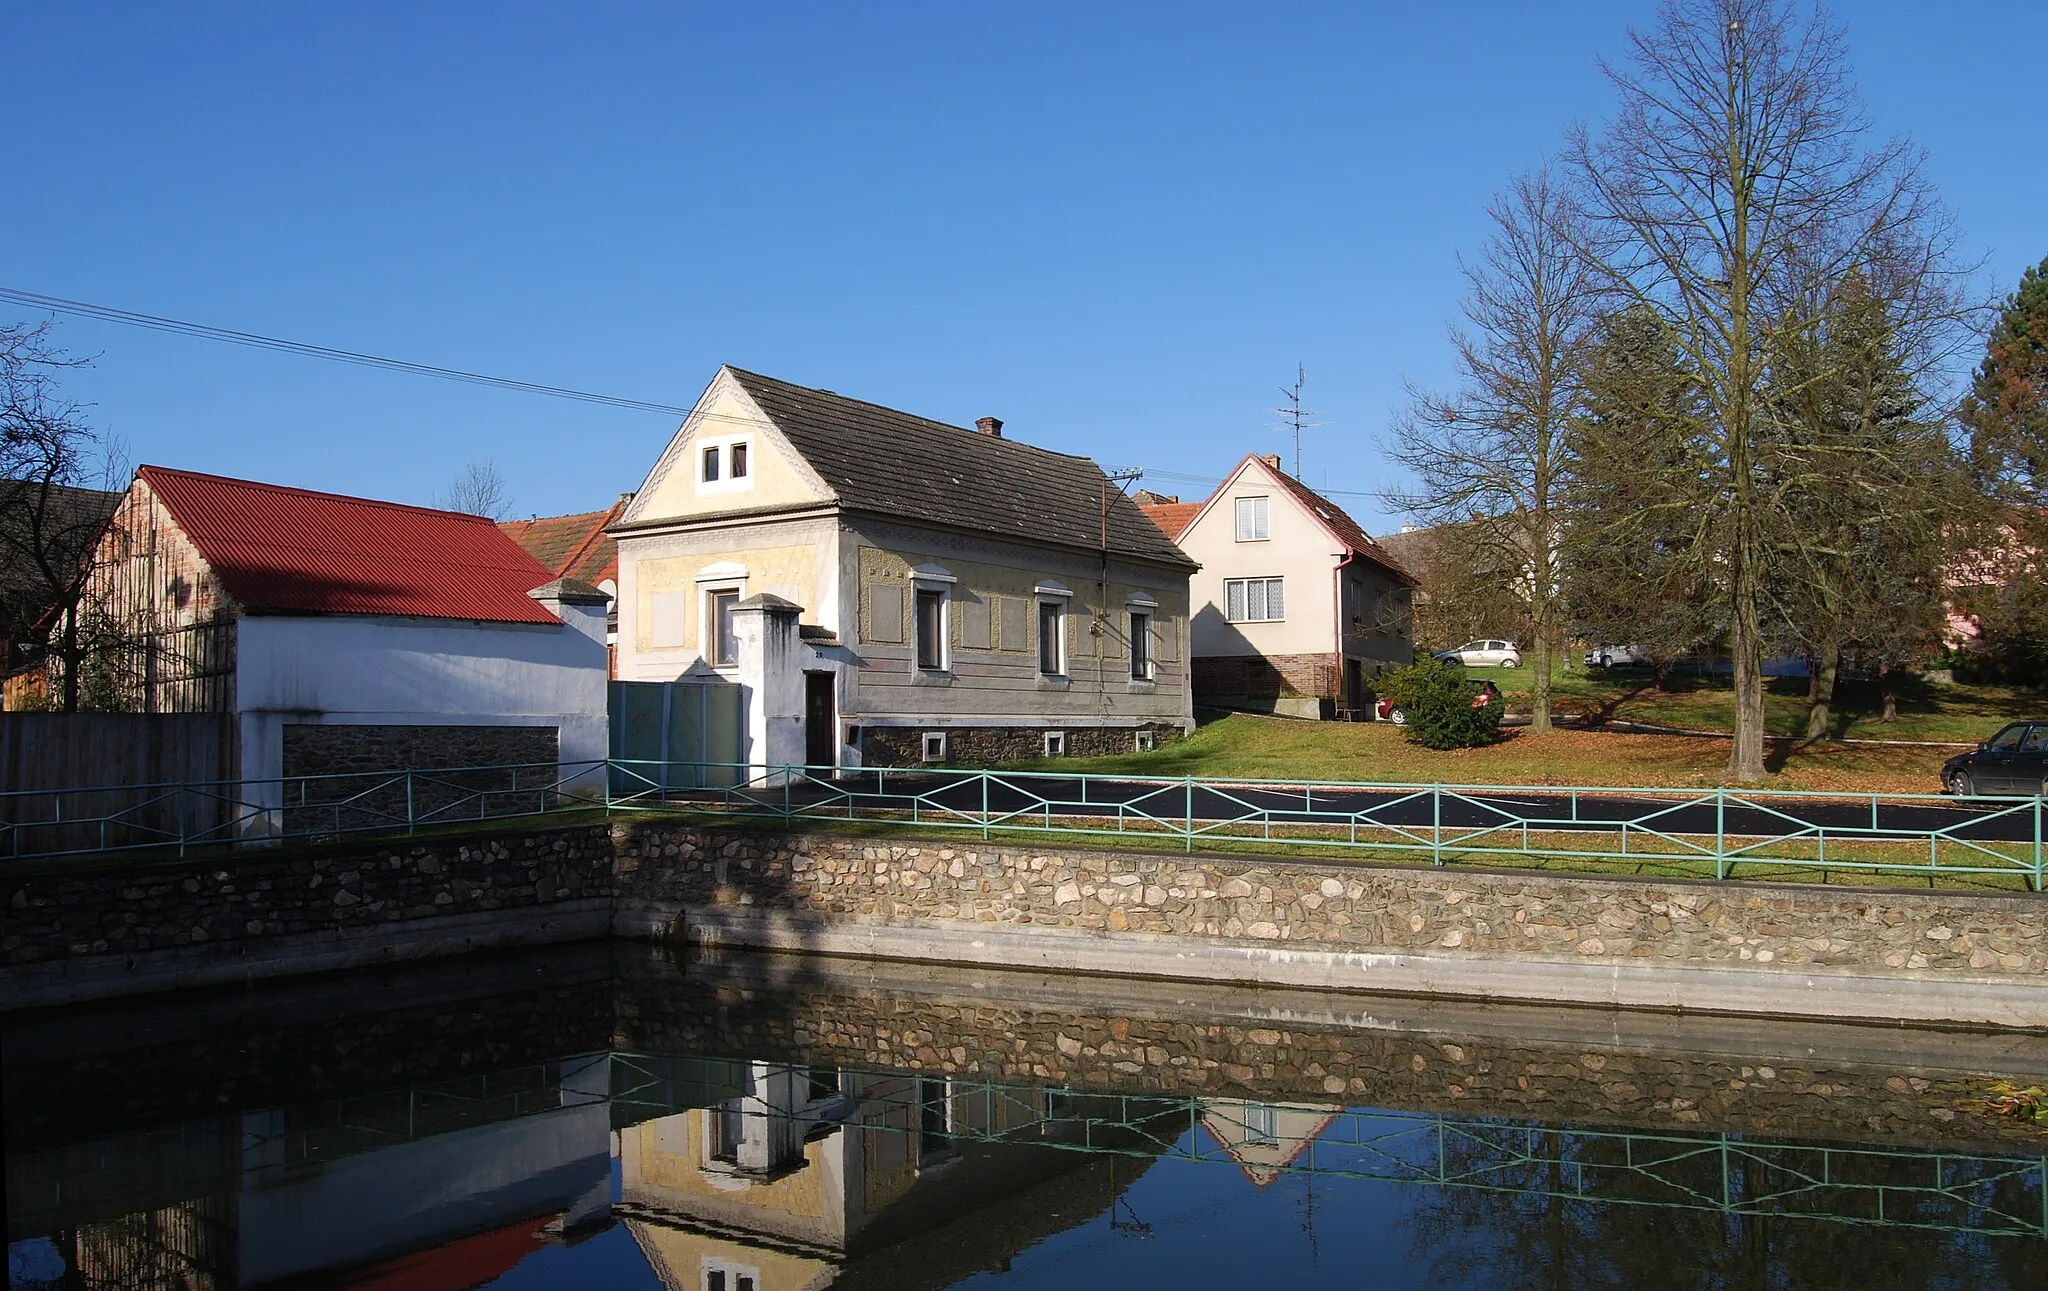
x=365 y=670
x=1299 y=550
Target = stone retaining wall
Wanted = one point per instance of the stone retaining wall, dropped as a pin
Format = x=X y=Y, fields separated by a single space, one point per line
x=1452 y=912
x=903 y=746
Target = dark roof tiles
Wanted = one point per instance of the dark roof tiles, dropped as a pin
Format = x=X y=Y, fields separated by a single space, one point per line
x=893 y=463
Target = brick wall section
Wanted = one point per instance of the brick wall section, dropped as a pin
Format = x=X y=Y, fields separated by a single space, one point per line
x=118 y=911
x=1235 y=677
x=895 y=746
x=1346 y=908
x=1139 y=1052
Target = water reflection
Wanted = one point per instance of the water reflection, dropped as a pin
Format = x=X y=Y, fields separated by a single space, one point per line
x=420 y=1134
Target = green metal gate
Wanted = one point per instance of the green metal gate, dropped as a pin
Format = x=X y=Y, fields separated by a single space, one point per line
x=676 y=735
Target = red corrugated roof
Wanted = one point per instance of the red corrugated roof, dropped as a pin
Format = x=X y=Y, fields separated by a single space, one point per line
x=293 y=551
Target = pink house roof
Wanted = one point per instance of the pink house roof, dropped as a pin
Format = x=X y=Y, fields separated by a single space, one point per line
x=293 y=551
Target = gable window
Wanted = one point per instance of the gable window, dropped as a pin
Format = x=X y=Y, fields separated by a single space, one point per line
x=1141 y=645
x=1254 y=600
x=726 y=465
x=931 y=629
x=710 y=472
x=725 y=642
x=1252 y=516
x=738 y=458
x=1052 y=637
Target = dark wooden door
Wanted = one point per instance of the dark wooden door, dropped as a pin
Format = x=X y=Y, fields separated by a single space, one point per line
x=820 y=720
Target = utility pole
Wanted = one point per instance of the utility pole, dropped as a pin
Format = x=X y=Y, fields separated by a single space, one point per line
x=1295 y=416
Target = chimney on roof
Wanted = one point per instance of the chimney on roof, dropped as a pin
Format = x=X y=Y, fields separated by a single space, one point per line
x=1271 y=459
x=989 y=426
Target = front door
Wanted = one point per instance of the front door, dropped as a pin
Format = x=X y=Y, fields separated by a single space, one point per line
x=821 y=715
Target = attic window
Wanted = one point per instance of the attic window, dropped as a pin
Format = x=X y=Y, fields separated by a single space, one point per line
x=710 y=464
x=739 y=461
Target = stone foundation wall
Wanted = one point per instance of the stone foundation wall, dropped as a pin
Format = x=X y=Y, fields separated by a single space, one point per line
x=900 y=746
x=321 y=749
x=1353 y=908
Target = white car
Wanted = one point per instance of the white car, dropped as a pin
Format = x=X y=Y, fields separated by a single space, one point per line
x=1483 y=654
x=1615 y=656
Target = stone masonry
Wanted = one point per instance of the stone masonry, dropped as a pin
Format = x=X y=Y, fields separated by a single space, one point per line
x=898 y=746
x=1345 y=907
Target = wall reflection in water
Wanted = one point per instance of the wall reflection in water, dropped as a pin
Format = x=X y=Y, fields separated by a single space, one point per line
x=525 y=1133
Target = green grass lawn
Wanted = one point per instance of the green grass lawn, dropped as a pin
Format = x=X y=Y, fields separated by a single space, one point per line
x=1927 y=711
x=1271 y=748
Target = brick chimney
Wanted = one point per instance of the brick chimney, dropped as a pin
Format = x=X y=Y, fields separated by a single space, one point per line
x=1271 y=459
x=989 y=426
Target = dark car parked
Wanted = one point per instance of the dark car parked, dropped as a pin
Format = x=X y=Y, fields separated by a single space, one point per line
x=2014 y=761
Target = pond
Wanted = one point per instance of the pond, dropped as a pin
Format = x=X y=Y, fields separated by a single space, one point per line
x=612 y=1115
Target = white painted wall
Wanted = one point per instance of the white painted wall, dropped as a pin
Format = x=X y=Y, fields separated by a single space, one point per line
x=1299 y=549
x=371 y=670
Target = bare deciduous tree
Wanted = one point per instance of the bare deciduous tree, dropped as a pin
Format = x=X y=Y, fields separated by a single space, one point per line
x=1488 y=459
x=479 y=489
x=1736 y=175
x=55 y=473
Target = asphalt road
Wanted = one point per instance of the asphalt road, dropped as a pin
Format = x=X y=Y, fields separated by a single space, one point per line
x=1672 y=811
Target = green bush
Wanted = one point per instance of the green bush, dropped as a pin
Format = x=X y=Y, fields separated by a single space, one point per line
x=1436 y=698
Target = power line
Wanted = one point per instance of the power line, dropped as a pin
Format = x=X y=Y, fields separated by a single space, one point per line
x=178 y=327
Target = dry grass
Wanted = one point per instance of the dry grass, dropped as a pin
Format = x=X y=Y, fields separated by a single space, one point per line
x=1277 y=749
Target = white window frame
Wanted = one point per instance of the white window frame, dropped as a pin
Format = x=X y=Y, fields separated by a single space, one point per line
x=1061 y=597
x=1255 y=513
x=926 y=579
x=724 y=576
x=1144 y=657
x=932 y=746
x=1144 y=741
x=710 y=593
x=1265 y=599
x=729 y=1273
x=723 y=448
x=1055 y=744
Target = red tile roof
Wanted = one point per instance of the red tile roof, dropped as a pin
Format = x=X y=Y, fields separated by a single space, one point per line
x=573 y=546
x=1340 y=523
x=292 y=551
x=1172 y=517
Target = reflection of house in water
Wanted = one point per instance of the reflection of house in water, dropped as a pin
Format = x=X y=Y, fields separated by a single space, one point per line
x=1264 y=1139
x=811 y=1178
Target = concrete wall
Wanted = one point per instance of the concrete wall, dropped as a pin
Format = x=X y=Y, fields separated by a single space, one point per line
x=381 y=671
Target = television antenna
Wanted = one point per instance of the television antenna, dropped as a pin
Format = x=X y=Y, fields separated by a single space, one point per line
x=1296 y=417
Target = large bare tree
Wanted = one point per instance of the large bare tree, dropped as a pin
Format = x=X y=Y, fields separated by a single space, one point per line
x=479 y=489
x=1738 y=176
x=1488 y=458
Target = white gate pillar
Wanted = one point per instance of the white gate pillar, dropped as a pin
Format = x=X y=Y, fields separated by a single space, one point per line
x=772 y=684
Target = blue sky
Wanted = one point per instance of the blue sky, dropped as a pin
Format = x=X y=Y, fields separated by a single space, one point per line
x=1118 y=227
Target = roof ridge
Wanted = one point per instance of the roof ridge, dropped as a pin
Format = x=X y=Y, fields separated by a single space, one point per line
x=147 y=471
x=914 y=416
x=595 y=537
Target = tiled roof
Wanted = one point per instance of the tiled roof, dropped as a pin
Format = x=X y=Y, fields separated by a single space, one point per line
x=880 y=460
x=1340 y=523
x=293 y=551
x=1172 y=517
x=573 y=546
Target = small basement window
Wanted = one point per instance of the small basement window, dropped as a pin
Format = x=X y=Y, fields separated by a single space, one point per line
x=935 y=746
x=1145 y=742
x=1055 y=744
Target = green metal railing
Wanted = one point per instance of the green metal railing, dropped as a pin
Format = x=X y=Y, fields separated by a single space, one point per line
x=1707 y=833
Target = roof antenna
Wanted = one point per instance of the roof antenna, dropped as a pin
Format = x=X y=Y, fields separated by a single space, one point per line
x=1297 y=418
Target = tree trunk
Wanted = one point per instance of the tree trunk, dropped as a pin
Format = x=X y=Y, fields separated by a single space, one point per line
x=1539 y=678
x=1888 y=678
x=1746 y=758
x=1821 y=675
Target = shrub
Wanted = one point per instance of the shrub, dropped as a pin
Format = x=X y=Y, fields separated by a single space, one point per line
x=1436 y=698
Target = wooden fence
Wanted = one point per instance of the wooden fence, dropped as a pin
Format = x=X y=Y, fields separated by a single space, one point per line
x=111 y=754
